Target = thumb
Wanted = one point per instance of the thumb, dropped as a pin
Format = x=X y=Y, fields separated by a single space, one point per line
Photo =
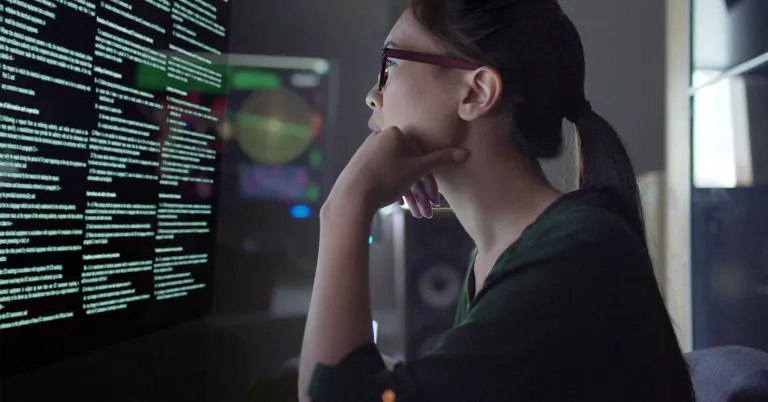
x=439 y=158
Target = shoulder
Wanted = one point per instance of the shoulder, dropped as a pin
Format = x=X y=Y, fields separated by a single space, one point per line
x=580 y=232
x=579 y=258
x=579 y=223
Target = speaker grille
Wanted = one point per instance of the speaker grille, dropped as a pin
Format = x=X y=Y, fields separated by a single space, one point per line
x=436 y=253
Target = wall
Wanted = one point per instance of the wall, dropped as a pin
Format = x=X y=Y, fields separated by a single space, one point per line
x=678 y=155
x=625 y=52
x=350 y=32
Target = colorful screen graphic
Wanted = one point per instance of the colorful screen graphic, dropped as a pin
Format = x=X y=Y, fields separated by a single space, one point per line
x=278 y=127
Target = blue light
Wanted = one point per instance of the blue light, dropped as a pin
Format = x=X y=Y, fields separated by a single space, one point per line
x=300 y=211
x=370 y=239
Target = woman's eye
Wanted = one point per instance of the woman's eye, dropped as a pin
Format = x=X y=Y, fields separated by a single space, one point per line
x=390 y=63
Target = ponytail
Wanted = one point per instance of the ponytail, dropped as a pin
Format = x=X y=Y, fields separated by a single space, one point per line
x=603 y=160
x=604 y=163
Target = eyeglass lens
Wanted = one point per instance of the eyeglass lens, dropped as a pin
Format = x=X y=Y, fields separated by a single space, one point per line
x=383 y=74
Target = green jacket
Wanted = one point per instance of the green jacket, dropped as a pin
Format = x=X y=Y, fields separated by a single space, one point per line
x=571 y=312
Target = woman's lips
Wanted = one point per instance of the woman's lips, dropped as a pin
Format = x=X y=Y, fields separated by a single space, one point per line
x=373 y=128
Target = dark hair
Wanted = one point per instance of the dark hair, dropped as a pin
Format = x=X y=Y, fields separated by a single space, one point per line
x=539 y=54
x=540 y=57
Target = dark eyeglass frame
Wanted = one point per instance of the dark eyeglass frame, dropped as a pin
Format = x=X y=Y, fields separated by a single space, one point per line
x=434 y=59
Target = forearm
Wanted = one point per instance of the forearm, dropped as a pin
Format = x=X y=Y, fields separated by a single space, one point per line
x=339 y=319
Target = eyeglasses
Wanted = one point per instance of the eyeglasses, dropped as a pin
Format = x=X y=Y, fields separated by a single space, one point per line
x=434 y=59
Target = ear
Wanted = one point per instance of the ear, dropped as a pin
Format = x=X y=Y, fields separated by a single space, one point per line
x=483 y=92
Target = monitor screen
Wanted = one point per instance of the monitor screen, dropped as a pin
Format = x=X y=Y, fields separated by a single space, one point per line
x=279 y=114
x=108 y=187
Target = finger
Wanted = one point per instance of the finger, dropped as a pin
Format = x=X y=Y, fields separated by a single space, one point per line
x=419 y=187
x=401 y=201
x=430 y=187
x=423 y=206
x=426 y=209
x=427 y=161
x=422 y=200
x=420 y=204
x=412 y=205
x=439 y=158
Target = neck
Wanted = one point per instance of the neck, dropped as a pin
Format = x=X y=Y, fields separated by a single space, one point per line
x=496 y=194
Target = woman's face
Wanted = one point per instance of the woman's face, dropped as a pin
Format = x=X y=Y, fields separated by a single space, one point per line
x=420 y=99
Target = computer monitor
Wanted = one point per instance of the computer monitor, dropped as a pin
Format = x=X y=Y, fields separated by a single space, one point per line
x=108 y=186
x=280 y=111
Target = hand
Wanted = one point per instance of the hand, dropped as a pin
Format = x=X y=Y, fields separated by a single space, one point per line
x=422 y=197
x=386 y=165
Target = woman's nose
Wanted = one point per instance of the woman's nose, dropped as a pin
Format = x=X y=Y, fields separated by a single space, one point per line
x=373 y=98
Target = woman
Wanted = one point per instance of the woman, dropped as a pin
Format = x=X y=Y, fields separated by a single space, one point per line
x=561 y=301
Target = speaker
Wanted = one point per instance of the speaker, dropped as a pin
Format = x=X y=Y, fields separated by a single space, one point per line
x=434 y=256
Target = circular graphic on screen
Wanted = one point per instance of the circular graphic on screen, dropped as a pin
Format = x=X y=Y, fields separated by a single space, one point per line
x=274 y=127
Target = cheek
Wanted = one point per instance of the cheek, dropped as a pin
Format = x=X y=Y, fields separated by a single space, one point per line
x=428 y=115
